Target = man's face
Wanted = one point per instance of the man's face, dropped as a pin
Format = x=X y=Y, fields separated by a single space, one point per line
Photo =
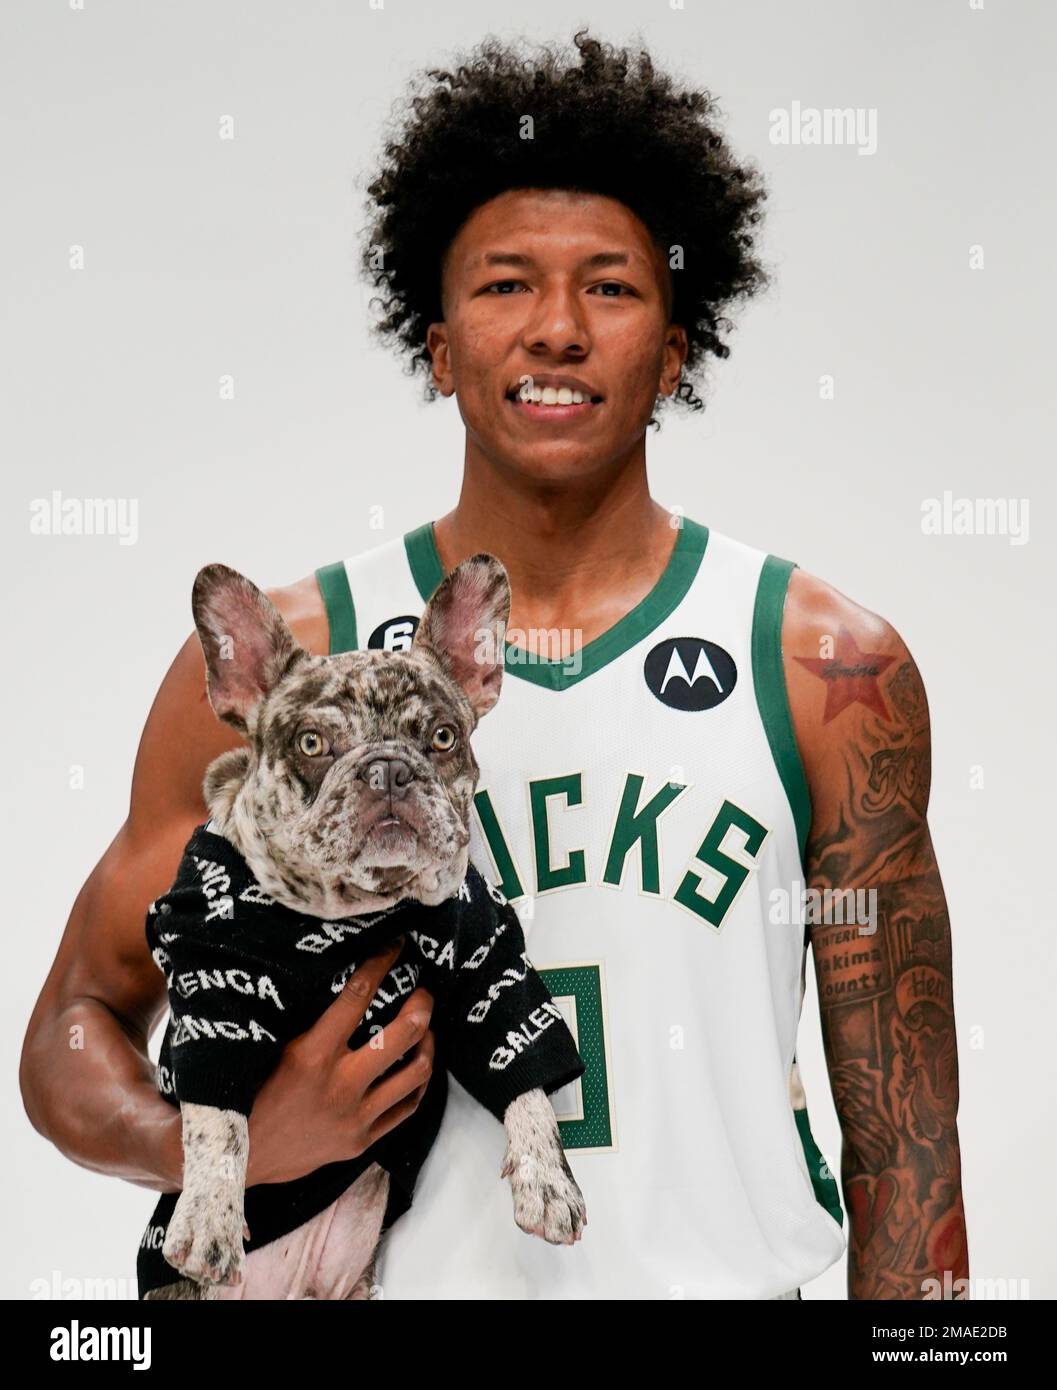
x=555 y=289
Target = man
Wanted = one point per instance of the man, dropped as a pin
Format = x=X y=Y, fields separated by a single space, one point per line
x=690 y=731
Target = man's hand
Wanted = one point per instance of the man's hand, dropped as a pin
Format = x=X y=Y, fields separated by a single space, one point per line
x=325 y=1103
x=884 y=983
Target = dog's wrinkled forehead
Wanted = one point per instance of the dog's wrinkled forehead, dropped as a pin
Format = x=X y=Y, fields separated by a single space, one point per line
x=362 y=697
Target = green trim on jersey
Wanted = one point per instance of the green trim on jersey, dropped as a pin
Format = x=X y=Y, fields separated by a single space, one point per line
x=768 y=677
x=822 y=1180
x=665 y=596
x=333 y=583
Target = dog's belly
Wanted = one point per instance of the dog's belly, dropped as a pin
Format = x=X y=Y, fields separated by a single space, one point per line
x=329 y=1257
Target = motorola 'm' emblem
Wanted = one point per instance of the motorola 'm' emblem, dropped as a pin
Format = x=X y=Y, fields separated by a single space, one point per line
x=690 y=673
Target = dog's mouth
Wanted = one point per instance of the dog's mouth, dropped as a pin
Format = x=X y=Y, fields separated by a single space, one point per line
x=391 y=841
x=392 y=825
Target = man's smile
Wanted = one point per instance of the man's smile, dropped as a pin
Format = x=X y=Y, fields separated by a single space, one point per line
x=549 y=396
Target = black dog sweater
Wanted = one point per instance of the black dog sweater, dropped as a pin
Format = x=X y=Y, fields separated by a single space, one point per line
x=246 y=974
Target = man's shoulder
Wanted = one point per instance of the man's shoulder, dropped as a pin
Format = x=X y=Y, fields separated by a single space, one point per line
x=815 y=609
x=332 y=589
x=850 y=676
x=304 y=612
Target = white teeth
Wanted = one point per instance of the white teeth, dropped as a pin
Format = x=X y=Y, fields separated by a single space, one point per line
x=550 y=395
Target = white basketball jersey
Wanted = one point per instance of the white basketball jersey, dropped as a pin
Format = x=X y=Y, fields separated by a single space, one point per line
x=643 y=807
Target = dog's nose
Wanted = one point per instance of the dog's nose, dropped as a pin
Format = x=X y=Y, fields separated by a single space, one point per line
x=390 y=776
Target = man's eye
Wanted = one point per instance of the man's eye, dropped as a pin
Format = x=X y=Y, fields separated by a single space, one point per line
x=444 y=738
x=501 y=285
x=312 y=744
x=613 y=285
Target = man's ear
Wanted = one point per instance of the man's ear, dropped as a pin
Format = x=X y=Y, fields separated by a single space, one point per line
x=464 y=628
x=440 y=352
x=246 y=643
x=676 y=347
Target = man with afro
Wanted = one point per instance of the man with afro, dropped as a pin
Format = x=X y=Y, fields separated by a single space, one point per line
x=704 y=759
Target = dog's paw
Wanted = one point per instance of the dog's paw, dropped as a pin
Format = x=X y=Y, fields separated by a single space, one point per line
x=204 y=1239
x=547 y=1200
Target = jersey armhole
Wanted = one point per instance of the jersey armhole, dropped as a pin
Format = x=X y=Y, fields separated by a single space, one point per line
x=333 y=583
x=772 y=697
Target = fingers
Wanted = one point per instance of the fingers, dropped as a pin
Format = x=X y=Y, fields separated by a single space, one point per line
x=396 y=1114
x=401 y=1081
x=336 y=1025
x=402 y=1033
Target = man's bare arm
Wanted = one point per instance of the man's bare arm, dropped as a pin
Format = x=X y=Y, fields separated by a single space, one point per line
x=87 y=1081
x=885 y=986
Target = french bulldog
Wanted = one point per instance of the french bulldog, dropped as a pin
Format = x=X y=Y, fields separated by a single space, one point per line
x=361 y=815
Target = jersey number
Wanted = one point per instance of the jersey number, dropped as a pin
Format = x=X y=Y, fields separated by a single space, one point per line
x=585 y=1118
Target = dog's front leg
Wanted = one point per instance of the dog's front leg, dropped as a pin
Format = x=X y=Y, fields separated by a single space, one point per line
x=204 y=1238
x=547 y=1200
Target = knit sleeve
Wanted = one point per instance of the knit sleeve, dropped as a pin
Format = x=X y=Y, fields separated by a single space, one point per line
x=226 y=1031
x=503 y=1033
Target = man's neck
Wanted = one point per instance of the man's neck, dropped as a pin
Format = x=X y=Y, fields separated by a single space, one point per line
x=578 y=559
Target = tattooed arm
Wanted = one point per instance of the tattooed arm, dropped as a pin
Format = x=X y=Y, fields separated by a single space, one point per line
x=885 y=986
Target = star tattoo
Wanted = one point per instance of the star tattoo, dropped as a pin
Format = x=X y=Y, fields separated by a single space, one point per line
x=850 y=676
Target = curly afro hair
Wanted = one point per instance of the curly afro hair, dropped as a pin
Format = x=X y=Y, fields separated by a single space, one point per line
x=638 y=138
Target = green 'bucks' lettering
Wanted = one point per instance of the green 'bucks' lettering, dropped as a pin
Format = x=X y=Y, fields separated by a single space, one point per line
x=509 y=881
x=640 y=827
x=634 y=825
x=713 y=910
x=574 y=870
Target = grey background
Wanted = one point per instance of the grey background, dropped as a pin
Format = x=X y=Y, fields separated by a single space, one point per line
x=206 y=257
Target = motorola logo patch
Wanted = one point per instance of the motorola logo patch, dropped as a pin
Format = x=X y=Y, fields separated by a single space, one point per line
x=394 y=635
x=690 y=673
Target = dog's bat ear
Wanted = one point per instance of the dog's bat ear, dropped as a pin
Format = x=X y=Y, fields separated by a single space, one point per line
x=464 y=628
x=246 y=643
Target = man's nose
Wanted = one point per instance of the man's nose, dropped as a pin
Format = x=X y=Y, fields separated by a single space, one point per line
x=558 y=324
x=388 y=776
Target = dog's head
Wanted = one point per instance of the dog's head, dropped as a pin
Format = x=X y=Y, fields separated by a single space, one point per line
x=354 y=791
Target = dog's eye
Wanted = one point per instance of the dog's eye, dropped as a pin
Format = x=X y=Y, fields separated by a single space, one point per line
x=444 y=737
x=312 y=744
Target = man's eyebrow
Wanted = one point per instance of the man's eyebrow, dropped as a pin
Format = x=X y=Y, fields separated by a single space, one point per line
x=507 y=258
x=605 y=258
x=515 y=258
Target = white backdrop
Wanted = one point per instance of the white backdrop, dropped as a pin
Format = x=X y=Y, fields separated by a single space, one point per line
x=204 y=257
